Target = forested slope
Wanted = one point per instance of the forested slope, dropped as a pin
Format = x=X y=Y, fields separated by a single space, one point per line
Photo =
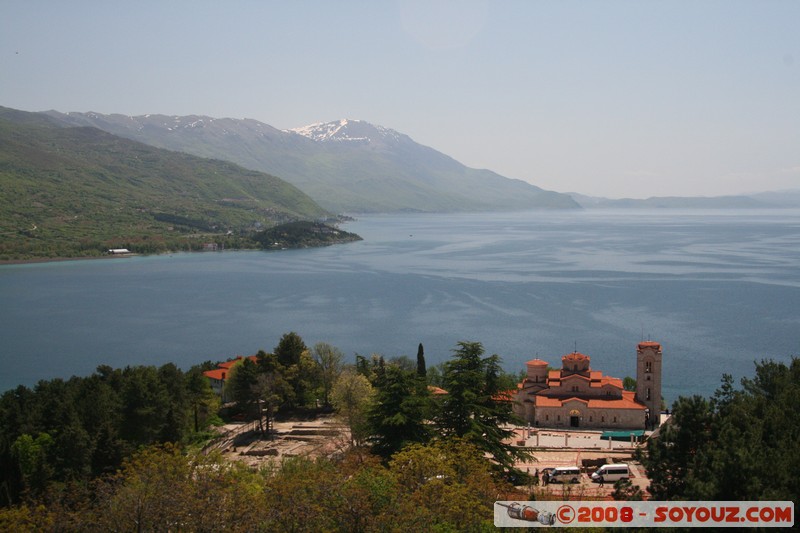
x=78 y=191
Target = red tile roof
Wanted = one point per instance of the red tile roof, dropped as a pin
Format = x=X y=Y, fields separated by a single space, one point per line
x=626 y=402
x=575 y=356
x=504 y=396
x=536 y=362
x=544 y=401
x=218 y=373
x=223 y=368
x=573 y=377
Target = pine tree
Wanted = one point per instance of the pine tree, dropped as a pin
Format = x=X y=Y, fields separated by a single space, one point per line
x=397 y=415
x=295 y=359
x=739 y=445
x=473 y=409
x=242 y=382
x=289 y=349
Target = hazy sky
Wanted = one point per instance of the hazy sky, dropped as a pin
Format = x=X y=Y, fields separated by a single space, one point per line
x=623 y=98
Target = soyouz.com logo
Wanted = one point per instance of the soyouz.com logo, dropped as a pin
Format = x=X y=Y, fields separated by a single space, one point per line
x=643 y=514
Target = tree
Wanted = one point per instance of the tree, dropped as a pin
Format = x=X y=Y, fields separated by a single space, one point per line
x=367 y=501
x=160 y=488
x=300 y=496
x=204 y=403
x=434 y=375
x=289 y=349
x=148 y=493
x=473 y=408
x=32 y=461
x=679 y=450
x=99 y=406
x=272 y=386
x=624 y=490
x=422 y=371
x=352 y=396
x=373 y=368
x=404 y=362
x=298 y=367
x=145 y=404
x=272 y=390
x=329 y=359
x=177 y=416
x=241 y=383
x=629 y=383
x=397 y=415
x=739 y=445
x=446 y=485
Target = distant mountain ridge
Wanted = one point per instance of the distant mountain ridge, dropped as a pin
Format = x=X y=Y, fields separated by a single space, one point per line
x=765 y=200
x=345 y=165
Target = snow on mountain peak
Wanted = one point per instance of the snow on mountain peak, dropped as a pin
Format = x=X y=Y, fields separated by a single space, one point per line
x=346 y=130
x=321 y=131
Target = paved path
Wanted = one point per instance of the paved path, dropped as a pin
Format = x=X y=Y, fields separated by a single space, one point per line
x=551 y=438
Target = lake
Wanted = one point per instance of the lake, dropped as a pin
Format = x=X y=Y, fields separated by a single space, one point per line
x=718 y=289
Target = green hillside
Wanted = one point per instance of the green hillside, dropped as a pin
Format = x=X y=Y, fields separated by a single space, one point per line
x=78 y=191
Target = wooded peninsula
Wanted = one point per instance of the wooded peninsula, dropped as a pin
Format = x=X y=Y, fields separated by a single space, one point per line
x=79 y=192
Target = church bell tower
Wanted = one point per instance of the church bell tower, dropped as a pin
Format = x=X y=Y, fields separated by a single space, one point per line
x=648 y=379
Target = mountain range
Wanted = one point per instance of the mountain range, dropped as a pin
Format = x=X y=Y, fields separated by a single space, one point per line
x=347 y=166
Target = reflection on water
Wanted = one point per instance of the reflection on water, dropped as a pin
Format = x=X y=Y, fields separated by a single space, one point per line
x=717 y=289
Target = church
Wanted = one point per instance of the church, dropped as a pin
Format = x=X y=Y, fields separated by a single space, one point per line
x=575 y=396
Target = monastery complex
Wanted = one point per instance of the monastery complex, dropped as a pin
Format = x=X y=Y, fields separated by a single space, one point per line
x=575 y=396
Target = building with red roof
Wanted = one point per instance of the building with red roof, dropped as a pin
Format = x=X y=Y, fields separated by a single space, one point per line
x=575 y=396
x=219 y=375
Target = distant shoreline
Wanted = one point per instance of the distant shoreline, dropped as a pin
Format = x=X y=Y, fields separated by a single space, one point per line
x=34 y=260
x=5 y=262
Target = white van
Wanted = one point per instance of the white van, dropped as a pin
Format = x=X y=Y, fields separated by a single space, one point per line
x=565 y=474
x=612 y=472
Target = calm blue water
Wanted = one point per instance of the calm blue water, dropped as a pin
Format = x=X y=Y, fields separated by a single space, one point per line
x=718 y=290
